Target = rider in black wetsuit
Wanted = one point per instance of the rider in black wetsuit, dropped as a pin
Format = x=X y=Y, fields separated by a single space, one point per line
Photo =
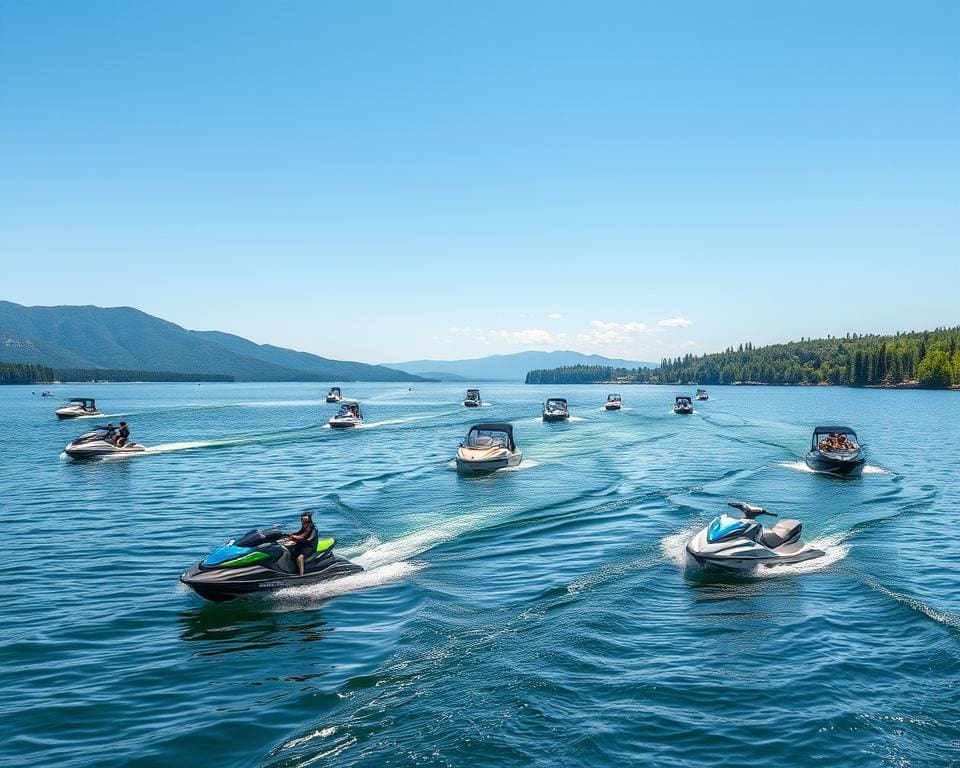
x=303 y=540
x=123 y=435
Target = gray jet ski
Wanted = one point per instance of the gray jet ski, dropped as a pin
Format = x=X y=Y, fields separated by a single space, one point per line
x=733 y=542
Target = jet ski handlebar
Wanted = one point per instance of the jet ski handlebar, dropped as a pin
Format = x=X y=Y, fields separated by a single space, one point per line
x=750 y=511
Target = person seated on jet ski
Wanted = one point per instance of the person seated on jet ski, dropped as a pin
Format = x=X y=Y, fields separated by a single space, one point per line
x=123 y=435
x=301 y=545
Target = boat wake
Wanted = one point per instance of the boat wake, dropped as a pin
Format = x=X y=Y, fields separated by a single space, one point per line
x=384 y=562
x=941 y=617
x=368 y=579
x=796 y=466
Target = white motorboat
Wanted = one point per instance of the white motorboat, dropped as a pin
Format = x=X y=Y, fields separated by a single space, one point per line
x=99 y=443
x=334 y=396
x=76 y=407
x=472 y=400
x=348 y=416
x=487 y=448
x=614 y=403
x=555 y=409
x=702 y=394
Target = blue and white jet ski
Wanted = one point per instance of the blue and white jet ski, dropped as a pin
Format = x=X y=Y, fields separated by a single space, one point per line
x=737 y=542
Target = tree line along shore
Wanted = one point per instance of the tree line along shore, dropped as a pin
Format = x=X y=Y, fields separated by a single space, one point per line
x=926 y=359
x=24 y=373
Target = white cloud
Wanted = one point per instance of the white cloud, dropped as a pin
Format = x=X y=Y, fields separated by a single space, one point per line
x=636 y=327
x=527 y=337
x=675 y=322
x=600 y=325
x=554 y=316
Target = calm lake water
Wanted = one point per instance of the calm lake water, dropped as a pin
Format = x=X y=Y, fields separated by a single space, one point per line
x=539 y=616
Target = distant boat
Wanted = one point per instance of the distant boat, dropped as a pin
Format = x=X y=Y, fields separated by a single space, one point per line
x=472 y=400
x=702 y=394
x=47 y=393
x=78 y=406
x=613 y=403
x=683 y=405
x=334 y=396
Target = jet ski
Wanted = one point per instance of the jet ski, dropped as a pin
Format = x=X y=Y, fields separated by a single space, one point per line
x=334 y=396
x=739 y=543
x=259 y=561
x=836 y=451
x=99 y=443
x=349 y=415
x=472 y=400
x=683 y=405
x=78 y=406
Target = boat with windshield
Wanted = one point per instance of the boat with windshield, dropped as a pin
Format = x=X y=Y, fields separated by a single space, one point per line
x=76 y=407
x=472 y=399
x=487 y=448
x=555 y=409
x=836 y=450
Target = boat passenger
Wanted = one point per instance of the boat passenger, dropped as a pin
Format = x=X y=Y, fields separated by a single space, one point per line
x=123 y=435
x=301 y=540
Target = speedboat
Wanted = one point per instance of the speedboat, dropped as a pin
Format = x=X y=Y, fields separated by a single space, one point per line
x=836 y=451
x=613 y=403
x=99 y=443
x=702 y=394
x=78 y=406
x=47 y=393
x=334 y=396
x=348 y=416
x=259 y=561
x=555 y=409
x=737 y=542
x=683 y=404
x=487 y=448
x=472 y=400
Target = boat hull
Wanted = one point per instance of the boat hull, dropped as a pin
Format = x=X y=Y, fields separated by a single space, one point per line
x=485 y=466
x=746 y=564
x=832 y=465
x=221 y=584
x=471 y=404
x=556 y=416
x=333 y=399
x=100 y=450
x=344 y=423
x=69 y=413
x=612 y=406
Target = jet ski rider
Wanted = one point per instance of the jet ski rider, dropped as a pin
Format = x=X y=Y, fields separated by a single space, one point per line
x=301 y=541
x=123 y=435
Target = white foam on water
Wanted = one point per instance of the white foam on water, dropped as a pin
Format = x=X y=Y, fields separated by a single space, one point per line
x=525 y=464
x=416 y=543
x=182 y=446
x=796 y=466
x=576 y=418
x=99 y=416
x=834 y=550
x=674 y=546
x=367 y=579
x=801 y=466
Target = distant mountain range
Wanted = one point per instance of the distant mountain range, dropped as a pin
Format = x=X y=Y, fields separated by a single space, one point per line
x=508 y=367
x=126 y=338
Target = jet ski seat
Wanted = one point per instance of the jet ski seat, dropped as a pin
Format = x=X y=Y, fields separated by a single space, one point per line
x=782 y=532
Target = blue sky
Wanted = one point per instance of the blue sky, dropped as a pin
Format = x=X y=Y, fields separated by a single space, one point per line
x=385 y=181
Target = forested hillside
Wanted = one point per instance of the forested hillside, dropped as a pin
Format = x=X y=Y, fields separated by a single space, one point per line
x=927 y=359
